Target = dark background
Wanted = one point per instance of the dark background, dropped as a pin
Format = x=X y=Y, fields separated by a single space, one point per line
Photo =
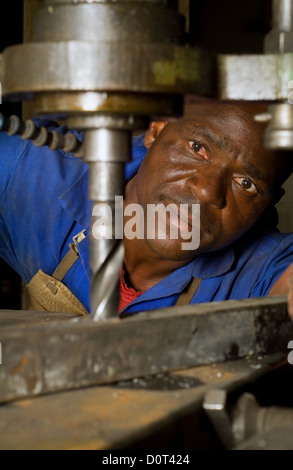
x=11 y=32
x=222 y=26
x=230 y=26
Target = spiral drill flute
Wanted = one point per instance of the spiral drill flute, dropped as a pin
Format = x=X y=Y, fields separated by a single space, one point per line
x=106 y=152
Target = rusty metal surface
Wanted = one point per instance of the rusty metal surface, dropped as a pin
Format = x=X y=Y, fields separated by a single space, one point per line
x=84 y=104
x=61 y=355
x=166 y=408
x=20 y=318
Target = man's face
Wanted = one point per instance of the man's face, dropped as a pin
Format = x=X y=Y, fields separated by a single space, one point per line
x=214 y=157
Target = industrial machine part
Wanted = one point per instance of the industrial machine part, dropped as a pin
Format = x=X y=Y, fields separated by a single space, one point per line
x=266 y=77
x=238 y=424
x=280 y=39
x=250 y=419
x=262 y=77
x=106 y=67
x=40 y=136
x=215 y=405
x=279 y=132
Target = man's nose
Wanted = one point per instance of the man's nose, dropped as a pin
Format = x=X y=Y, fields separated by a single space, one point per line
x=210 y=186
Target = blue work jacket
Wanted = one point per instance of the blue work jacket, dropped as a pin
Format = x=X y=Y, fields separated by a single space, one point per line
x=44 y=203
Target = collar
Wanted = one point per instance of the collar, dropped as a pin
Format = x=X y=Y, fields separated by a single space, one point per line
x=205 y=266
x=213 y=264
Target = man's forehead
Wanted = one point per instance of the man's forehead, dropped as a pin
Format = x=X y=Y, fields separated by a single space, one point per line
x=233 y=121
x=240 y=110
x=197 y=128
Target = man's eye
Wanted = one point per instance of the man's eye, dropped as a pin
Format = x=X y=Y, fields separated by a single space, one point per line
x=246 y=184
x=198 y=148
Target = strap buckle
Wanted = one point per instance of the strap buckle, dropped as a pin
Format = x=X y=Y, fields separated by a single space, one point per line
x=78 y=238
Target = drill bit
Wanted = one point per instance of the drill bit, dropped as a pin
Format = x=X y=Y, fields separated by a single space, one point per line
x=106 y=151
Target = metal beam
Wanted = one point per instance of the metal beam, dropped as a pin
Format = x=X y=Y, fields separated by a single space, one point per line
x=42 y=355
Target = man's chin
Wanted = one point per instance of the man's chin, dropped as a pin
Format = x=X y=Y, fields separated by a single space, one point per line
x=171 y=251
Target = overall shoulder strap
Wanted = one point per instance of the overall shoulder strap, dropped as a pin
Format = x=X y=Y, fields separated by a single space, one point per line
x=189 y=291
x=69 y=259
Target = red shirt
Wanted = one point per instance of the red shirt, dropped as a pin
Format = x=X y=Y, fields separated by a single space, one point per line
x=127 y=294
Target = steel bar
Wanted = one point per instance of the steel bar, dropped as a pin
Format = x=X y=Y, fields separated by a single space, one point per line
x=106 y=151
x=283 y=15
x=215 y=405
x=280 y=38
x=42 y=358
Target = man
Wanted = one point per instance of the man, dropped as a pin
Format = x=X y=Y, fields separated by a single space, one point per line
x=213 y=156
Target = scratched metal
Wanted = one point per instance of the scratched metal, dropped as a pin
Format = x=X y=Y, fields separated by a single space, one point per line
x=42 y=357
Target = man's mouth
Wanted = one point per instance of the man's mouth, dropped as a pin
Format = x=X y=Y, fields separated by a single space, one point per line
x=182 y=220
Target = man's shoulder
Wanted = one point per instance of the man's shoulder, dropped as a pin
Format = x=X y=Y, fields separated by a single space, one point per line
x=264 y=251
x=270 y=240
x=266 y=260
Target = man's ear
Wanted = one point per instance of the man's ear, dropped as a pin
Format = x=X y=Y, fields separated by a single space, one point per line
x=153 y=131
